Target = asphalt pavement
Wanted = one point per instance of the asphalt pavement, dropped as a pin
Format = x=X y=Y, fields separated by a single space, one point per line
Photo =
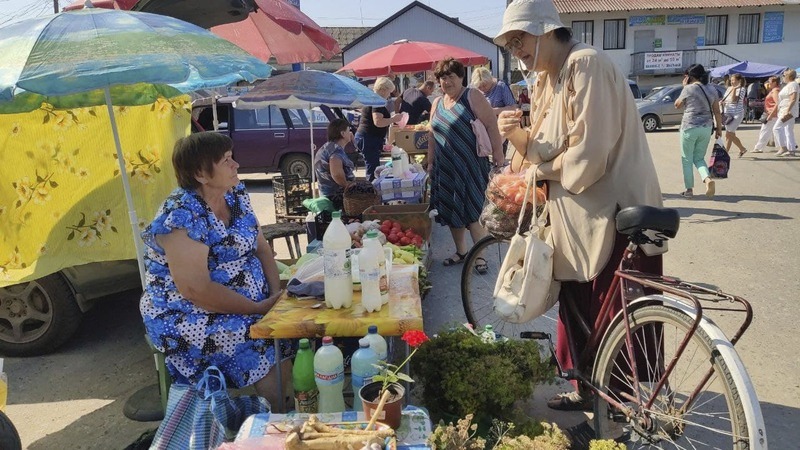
x=744 y=241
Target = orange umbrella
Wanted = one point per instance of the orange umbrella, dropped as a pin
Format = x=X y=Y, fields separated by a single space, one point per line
x=406 y=56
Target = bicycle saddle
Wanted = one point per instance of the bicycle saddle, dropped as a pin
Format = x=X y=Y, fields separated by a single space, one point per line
x=635 y=219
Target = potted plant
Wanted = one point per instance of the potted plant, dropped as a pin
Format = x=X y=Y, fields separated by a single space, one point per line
x=462 y=374
x=383 y=397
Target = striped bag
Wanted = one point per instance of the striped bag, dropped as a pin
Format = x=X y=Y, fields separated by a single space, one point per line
x=198 y=416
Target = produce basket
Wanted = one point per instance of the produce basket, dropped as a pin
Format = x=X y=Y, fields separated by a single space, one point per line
x=289 y=192
x=358 y=197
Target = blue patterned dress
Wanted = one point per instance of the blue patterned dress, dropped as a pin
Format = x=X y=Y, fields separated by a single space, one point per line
x=458 y=183
x=192 y=338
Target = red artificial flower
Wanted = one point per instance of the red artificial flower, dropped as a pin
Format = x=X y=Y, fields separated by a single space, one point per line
x=415 y=338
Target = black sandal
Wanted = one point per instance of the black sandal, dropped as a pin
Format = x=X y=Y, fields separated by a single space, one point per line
x=481 y=266
x=451 y=261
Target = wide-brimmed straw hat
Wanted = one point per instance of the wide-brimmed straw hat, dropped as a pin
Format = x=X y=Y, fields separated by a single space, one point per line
x=535 y=17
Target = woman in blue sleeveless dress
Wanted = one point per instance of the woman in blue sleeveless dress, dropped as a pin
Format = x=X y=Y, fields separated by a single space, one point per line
x=458 y=176
x=210 y=274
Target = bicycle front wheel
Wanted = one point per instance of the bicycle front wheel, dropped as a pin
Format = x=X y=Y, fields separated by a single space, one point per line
x=477 y=292
x=687 y=412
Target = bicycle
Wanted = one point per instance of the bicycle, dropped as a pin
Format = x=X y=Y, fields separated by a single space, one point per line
x=661 y=373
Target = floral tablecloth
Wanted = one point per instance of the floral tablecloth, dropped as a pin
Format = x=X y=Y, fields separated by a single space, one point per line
x=415 y=426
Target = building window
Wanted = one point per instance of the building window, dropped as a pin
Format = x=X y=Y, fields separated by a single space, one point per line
x=614 y=34
x=716 y=30
x=583 y=30
x=749 y=26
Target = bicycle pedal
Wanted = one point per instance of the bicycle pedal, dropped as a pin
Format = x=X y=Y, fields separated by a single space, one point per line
x=538 y=335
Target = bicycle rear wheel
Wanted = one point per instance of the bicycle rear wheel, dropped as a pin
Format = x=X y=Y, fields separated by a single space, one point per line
x=715 y=418
x=477 y=291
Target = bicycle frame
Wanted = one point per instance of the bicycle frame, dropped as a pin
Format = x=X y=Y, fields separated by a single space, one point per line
x=628 y=285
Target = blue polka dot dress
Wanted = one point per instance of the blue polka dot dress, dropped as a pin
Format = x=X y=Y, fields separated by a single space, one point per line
x=192 y=338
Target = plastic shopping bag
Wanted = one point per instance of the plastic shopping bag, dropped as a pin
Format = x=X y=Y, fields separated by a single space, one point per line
x=504 y=195
x=720 y=162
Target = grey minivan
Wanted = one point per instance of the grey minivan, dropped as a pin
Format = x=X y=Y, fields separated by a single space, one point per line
x=658 y=108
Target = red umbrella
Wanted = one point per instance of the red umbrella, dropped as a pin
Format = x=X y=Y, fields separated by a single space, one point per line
x=281 y=30
x=409 y=56
x=276 y=29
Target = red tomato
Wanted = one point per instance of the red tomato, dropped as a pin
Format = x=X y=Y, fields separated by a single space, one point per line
x=385 y=229
x=400 y=235
x=405 y=241
x=386 y=223
x=392 y=238
x=418 y=241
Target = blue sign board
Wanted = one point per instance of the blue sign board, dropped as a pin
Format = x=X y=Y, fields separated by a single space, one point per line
x=773 y=27
x=700 y=41
x=686 y=19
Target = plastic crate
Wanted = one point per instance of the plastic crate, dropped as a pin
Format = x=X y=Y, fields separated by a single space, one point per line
x=323 y=219
x=289 y=192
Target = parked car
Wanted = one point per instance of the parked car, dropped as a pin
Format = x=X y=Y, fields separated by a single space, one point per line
x=270 y=139
x=658 y=108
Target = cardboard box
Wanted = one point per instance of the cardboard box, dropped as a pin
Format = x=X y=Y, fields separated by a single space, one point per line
x=413 y=142
x=410 y=216
x=411 y=190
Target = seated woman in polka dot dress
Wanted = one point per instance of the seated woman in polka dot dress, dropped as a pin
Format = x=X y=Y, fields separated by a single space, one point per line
x=210 y=272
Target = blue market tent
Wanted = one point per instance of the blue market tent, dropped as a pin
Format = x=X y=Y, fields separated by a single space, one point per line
x=748 y=69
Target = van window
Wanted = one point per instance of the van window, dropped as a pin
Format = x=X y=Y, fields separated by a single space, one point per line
x=245 y=119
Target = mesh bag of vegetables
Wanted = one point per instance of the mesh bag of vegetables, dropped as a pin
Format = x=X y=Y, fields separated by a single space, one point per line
x=504 y=197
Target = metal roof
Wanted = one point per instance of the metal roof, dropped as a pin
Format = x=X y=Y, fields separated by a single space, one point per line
x=586 y=6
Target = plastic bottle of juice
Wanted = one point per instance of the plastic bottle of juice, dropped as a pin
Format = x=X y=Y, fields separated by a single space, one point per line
x=369 y=268
x=374 y=246
x=336 y=245
x=329 y=376
x=377 y=343
x=362 y=370
x=306 y=394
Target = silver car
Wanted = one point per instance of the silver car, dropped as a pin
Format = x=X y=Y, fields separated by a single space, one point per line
x=658 y=108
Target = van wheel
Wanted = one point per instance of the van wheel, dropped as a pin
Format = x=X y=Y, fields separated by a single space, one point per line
x=38 y=316
x=296 y=164
x=9 y=437
x=650 y=123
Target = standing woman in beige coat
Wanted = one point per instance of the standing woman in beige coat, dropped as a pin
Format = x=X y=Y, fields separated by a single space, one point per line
x=591 y=149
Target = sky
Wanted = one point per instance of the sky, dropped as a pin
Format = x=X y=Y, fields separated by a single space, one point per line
x=484 y=16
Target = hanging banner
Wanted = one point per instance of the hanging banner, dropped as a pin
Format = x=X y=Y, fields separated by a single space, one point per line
x=636 y=21
x=773 y=27
x=663 y=60
x=686 y=19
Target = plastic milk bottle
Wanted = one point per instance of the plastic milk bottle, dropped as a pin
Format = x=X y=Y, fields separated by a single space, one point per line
x=329 y=375
x=374 y=246
x=362 y=370
x=306 y=395
x=370 y=260
x=336 y=245
x=377 y=343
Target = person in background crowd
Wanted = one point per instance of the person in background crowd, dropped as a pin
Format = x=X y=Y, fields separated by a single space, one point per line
x=771 y=111
x=335 y=171
x=733 y=105
x=497 y=92
x=701 y=109
x=374 y=124
x=525 y=105
x=787 y=114
x=210 y=273
x=588 y=144
x=415 y=102
x=458 y=175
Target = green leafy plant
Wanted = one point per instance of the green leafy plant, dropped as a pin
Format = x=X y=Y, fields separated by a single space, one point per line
x=460 y=374
x=464 y=436
x=606 y=444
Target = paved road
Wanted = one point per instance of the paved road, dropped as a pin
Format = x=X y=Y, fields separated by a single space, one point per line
x=744 y=241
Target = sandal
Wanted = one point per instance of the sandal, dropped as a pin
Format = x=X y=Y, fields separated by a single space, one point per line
x=481 y=266
x=742 y=152
x=570 y=401
x=452 y=261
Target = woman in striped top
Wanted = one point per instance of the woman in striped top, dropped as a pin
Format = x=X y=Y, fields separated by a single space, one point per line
x=733 y=105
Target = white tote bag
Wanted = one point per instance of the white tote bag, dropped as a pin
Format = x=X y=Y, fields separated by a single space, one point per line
x=525 y=288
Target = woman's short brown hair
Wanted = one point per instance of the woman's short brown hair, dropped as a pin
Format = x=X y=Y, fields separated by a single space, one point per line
x=196 y=153
x=448 y=66
x=336 y=127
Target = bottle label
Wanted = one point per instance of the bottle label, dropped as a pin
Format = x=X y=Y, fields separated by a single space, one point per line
x=306 y=401
x=384 y=280
x=359 y=382
x=337 y=263
x=368 y=276
x=330 y=378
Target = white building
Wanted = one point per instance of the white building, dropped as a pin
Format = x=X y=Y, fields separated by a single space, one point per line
x=648 y=39
x=419 y=22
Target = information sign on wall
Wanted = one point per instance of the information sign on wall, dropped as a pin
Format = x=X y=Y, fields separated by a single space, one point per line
x=663 y=60
x=637 y=21
x=773 y=27
x=658 y=43
x=686 y=19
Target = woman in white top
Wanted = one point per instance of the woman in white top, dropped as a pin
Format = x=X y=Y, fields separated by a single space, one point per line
x=733 y=105
x=787 y=113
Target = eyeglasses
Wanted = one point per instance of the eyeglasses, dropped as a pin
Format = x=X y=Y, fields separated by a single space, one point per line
x=513 y=44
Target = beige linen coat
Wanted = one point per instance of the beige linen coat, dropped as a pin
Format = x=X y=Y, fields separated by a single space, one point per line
x=606 y=166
